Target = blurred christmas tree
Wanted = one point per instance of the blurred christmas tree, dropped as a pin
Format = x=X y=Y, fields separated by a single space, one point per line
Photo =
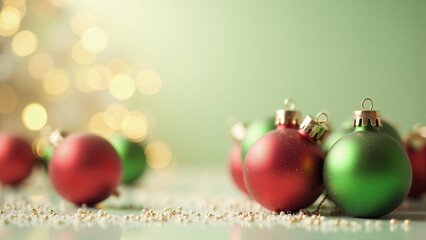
x=58 y=69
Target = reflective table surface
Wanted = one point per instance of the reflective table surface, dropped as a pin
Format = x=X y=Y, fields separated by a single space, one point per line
x=187 y=204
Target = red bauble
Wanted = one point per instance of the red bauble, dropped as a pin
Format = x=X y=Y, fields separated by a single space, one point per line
x=16 y=159
x=236 y=167
x=418 y=165
x=85 y=168
x=283 y=170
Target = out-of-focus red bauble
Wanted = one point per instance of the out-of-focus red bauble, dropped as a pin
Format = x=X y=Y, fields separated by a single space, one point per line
x=283 y=169
x=85 y=168
x=236 y=167
x=16 y=159
x=418 y=165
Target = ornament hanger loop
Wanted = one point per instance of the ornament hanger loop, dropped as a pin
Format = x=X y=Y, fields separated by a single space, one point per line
x=363 y=101
x=317 y=119
x=288 y=101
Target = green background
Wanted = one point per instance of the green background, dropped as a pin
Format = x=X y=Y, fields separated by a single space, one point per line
x=225 y=60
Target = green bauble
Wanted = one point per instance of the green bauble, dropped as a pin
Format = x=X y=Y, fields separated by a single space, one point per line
x=333 y=137
x=47 y=154
x=133 y=158
x=254 y=131
x=336 y=135
x=367 y=173
x=390 y=130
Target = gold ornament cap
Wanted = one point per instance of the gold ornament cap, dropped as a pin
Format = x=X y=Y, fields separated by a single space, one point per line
x=364 y=117
x=238 y=131
x=287 y=116
x=316 y=128
x=57 y=136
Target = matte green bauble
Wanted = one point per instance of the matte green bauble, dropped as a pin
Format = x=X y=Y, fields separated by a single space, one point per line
x=333 y=137
x=133 y=158
x=367 y=173
x=254 y=131
x=390 y=130
x=47 y=151
x=336 y=135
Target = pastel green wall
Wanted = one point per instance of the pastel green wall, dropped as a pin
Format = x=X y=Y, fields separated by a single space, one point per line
x=235 y=58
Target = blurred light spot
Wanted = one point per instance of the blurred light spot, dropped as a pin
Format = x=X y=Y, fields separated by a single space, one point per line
x=24 y=43
x=10 y=18
x=117 y=66
x=115 y=115
x=158 y=154
x=8 y=98
x=80 y=55
x=135 y=67
x=6 y=67
x=42 y=8
x=81 y=80
x=7 y=33
x=82 y=21
x=62 y=3
x=122 y=86
x=422 y=131
x=34 y=116
x=55 y=81
x=149 y=82
x=97 y=125
x=98 y=77
x=135 y=126
x=94 y=39
x=18 y=4
x=40 y=64
x=40 y=146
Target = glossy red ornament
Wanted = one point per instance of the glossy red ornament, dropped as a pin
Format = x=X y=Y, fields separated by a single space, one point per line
x=236 y=167
x=283 y=169
x=85 y=168
x=16 y=159
x=415 y=146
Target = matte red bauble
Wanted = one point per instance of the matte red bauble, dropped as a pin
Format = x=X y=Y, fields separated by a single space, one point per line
x=415 y=145
x=235 y=161
x=236 y=167
x=16 y=159
x=85 y=168
x=283 y=169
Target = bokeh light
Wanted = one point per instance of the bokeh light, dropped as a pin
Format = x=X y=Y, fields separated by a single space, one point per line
x=18 y=4
x=81 y=80
x=34 y=116
x=135 y=126
x=55 y=81
x=43 y=8
x=40 y=146
x=117 y=66
x=40 y=64
x=82 y=21
x=24 y=43
x=122 y=86
x=62 y=3
x=10 y=18
x=8 y=98
x=149 y=82
x=115 y=115
x=98 y=77
x=80 y=54
x=158 y=154
x=94 y=39
x=98 y=126
x=6 y=67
